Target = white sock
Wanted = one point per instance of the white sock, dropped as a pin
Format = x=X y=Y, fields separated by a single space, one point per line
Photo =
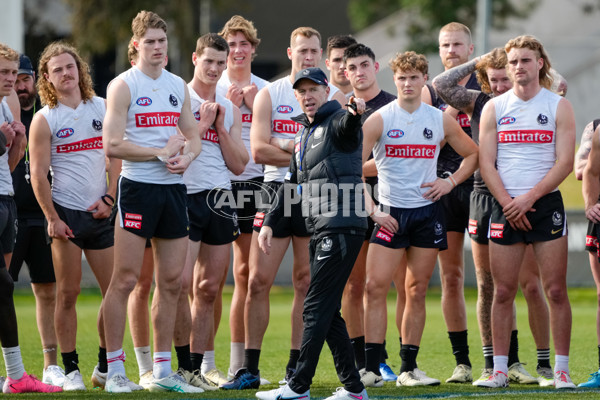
x=162 y=364
x=501 y=364
x=208 y=361
x=13 y=362
x=236 y=358
x=116 y=364
x=561 y=363
x=144 y=359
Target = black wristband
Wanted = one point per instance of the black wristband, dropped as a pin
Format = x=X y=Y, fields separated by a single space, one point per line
x=106 y=202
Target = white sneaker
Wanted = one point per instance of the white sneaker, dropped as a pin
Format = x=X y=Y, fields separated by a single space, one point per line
x=120 y=384
x=73 y=381
x=54 y=375
x=215 y=377
x=371 y=379
x=415 y=378
x=173 y=383
x=283 y=393
x=545 y=377
x=196 y=379
x=562 y=380
x=342 y=394
x=462 y=374
x=518 y=374
x=497 y=380
x=146 y=380
x=98 y=378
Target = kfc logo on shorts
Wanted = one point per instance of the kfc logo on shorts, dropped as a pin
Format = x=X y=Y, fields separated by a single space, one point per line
x=143 y=101
x=427 y=134
x=259 y=219
x=542 y=119
x=472 y=226
x=507 y=121
x=173 y=100
x=395 y=134
x=495 y=234
x=283 y=109
x=97 y=125
x=384 y=235
x=591 y=241
x=133 y=221
x=65 y=133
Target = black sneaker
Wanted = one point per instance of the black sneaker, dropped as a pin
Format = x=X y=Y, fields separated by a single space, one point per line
x=243 y=379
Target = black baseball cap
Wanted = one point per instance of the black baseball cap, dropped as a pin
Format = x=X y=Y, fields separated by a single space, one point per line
x=314 y=74
x=25 y=66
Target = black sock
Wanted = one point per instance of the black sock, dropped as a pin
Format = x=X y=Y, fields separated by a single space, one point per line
x=358 y=345
x=184 y=359
x=251 y=359
x=102 y=363
x=384 y=353
x=70 y=361
x=196 y=360
x=408 y=353
x=460 y=347
x=373 y=356
x=513 y=350
x=294 y=356
x=488 y=356
x=543 y=358
x=400 y=340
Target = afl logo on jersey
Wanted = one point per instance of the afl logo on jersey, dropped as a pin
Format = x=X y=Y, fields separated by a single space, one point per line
x=427 y=134
x=97 y=125
x=197 y=115
x=395 y=134
x=144 y=101
x=65 y=133
x=283 y=109
x=542 y=119
x=173 y=100
x=506 y=120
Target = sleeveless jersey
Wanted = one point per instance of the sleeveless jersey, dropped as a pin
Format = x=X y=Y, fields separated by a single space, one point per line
x=6 y=184
x=284 y=107
x=77 y=157
x=208 y=170
x=151 y=119
x=526 y=139
x=406 y=154
x=252 y=169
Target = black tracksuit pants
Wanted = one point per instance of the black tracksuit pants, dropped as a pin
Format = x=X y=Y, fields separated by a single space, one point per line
x=332 y=257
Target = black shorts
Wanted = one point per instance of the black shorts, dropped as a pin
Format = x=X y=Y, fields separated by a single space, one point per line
x=548 y=222
x=32 y=248
x=152 y=210
x=90 y=233
x=288 y=225
x=8 y=222
x=247 y=196
x=591 y=239
x=455 y=206
x=418 y=227
x=479 y=216
x=212 y=219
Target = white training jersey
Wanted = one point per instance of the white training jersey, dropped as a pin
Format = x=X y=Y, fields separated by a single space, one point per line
x=526 y=139
x=77 y=157
x=252 y=170
x=152 y=118
x=406 y=154
x=208 y=170
x=6 y=185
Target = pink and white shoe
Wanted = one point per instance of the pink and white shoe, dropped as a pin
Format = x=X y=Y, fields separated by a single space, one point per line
x=28 y=384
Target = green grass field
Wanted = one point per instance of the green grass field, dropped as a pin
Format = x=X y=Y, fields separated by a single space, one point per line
x=435 y=355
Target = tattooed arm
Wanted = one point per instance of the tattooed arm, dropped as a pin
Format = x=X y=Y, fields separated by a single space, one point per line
x=584 y=150
x=459 y=97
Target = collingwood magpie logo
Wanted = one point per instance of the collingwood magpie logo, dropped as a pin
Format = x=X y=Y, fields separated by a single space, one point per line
x=542 y=119
x=438 y=230
x=97 y=125
x=427 y=134
x=173 y=100
x=326 y=244
x=557 y=218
